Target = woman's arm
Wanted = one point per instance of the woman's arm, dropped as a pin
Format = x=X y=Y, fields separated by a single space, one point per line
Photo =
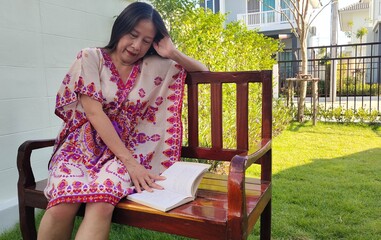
x=102 y=124
x=166 y=49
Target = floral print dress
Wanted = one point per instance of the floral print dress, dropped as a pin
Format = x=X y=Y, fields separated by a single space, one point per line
x=145 y=112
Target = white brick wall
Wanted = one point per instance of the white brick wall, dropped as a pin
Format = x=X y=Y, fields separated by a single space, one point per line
x=39 y=39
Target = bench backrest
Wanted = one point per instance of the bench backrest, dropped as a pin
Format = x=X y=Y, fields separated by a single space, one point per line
x=216 y=80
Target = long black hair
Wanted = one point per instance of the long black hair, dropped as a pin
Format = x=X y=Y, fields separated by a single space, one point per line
x=129 y=18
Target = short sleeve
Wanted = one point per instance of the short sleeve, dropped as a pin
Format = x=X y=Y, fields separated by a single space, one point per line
x=83 y=77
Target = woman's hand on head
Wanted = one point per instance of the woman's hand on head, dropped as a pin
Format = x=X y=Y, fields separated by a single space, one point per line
x=142 y=178
x=165 y=47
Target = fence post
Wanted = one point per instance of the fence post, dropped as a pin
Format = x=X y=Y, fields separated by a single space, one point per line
x=315 y=96
x=275 y=81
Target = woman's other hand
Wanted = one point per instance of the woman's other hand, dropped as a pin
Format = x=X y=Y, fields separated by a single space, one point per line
x=142 y=178
x=165 y=47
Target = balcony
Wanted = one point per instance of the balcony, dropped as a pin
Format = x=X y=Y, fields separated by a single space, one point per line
x=267 y=20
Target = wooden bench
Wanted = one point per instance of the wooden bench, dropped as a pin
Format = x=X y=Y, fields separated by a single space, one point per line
x=227 y=207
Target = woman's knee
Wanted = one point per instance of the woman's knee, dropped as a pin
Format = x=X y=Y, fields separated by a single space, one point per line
x=63 y=210
x=100 y=209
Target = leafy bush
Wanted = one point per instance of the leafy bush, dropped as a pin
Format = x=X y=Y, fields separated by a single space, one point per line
x=359 y=89
x=221 y=46
x=351 y=86
x=349 y=115
x=282 y=115
x=339 y=114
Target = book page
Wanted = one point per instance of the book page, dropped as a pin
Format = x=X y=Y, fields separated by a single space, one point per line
x=181 y=177
x=163 y=200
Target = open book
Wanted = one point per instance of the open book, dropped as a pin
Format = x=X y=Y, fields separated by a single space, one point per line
x=180 y=186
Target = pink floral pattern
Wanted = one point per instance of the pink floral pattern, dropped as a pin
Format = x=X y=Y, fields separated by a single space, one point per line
x=145 y=112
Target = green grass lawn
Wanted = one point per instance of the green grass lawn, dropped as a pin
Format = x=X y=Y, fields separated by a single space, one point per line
x=327 y=182
x=326 y=185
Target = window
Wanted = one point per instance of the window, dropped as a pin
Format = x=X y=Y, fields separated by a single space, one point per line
x=268 y=5
x=286 y=64
x=268 y=15
x=253 y=6
x=284 y=4
x=208 y=4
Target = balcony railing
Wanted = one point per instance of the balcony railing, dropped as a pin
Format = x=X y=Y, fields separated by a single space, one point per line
x=258 y=19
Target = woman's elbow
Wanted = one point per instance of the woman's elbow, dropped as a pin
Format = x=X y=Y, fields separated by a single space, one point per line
x=91 y=107
x=200 y=68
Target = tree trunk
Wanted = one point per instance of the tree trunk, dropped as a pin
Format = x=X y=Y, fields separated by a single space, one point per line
x=303 y=84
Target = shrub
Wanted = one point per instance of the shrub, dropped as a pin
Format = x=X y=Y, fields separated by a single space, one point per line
x=359 y=90
x=339 y=114
x=349 y=115
x=282 y=115
x=203 y=35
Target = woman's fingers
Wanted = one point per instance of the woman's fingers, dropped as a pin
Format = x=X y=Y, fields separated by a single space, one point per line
x=137 y=185
x=141 y=185
x=164 y=47
x=158 y=177
x=157 y=186
x=155 y=178
x=143 y=180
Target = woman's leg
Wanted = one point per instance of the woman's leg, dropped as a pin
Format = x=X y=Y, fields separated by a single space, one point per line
x=57 y=222
x=96 y=222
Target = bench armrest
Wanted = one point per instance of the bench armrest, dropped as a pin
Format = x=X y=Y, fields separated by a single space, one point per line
x=236 y=182
x=26 y=177
x=262 y=148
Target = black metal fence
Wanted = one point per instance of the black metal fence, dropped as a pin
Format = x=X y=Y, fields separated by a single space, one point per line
x=349 y=75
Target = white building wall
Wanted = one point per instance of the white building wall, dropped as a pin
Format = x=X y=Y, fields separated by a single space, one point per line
x=375 y=14
x=234 y=7
x=39 y=39
x=360 y=20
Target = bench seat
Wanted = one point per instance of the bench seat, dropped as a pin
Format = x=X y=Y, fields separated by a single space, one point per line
x=211 y=205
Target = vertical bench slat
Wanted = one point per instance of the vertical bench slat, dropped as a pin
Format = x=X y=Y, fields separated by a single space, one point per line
x=216 y=115
x=242 y=116
x=266 y=160
x=193 y=115
x=267 y=96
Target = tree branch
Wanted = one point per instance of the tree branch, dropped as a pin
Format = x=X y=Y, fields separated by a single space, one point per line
x=294 y=28
x=320 y=10
x=305 y=7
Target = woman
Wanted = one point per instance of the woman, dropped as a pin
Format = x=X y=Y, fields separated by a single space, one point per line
x=121 y=109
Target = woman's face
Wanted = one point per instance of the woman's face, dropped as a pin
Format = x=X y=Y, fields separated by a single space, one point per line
x=134 y=45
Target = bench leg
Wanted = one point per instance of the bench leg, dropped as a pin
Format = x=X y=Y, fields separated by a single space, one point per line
x=265 y=227
x=27 y=223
